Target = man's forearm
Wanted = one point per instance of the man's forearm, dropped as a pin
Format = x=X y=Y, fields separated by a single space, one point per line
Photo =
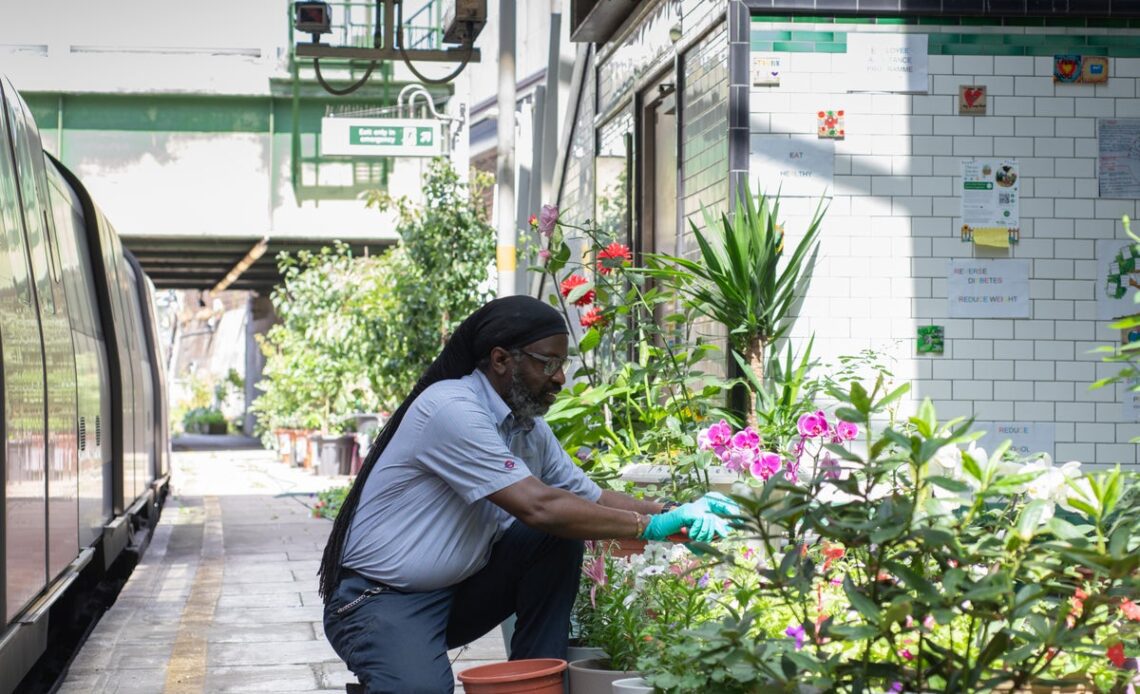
x=625 y=502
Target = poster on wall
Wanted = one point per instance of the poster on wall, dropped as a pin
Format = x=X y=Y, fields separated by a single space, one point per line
x=766 y=69
x=1118 y=278
x=1118 y=163
x=887 y=63
x=794 y=165
x=988 y=288
x=990 y=198
x=1026 y=438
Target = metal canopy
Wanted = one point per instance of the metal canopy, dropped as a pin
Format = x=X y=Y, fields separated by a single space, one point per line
x=201 y=263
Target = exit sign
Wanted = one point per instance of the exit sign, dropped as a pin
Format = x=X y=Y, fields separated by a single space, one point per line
x=381 y=137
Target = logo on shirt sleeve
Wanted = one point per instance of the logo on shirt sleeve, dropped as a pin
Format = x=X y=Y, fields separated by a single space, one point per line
x=509 y=464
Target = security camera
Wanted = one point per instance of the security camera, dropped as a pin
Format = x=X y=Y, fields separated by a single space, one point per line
x=312 y=18
x=463 y=20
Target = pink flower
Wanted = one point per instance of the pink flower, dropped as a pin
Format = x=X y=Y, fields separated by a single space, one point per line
x=1130 y=609
x=811 y=425
x=846 y=431
x=906 y=654
x=792 y=471
x=766 y=465
x=715 y=438
x=829 y=466
x=546 y=220
x=738 y=459
x=746 y=439
x=544 y=256
x=595 y=570
x=533 y=222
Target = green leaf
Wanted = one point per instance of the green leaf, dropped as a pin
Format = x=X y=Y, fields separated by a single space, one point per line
x=579 y=291
x=948 y=484
x=1031 y=517
x=860 y=602
x=589 y=341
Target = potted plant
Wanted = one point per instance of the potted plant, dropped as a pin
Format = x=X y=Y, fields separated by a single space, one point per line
x=919 y=563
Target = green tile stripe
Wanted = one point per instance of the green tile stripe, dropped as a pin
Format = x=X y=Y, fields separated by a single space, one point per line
x=1109 y=23
x=763 y=38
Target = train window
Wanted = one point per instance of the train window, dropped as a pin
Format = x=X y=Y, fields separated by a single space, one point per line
x=11 y=225
x=27 y=141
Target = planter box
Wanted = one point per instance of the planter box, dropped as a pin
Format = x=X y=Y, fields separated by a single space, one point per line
x=334 y=454
x=644 y=475
x=593 y=676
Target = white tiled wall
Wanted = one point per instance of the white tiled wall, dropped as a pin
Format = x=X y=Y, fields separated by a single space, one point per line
x=892 y=229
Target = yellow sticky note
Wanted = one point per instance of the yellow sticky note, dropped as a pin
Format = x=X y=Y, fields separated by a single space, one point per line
x=992 y=236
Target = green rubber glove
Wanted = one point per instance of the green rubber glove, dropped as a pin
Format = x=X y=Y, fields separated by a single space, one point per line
x=703 y=526
x=721 y=505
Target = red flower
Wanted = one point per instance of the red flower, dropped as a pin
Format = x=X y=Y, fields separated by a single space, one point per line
x=1116 y=654
x=831 y=553
x=613 y=256
x=533 y=221
x=573 y=281
x=593 y=318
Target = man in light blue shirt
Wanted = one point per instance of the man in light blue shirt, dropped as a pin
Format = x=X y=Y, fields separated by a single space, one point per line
x=467 y=510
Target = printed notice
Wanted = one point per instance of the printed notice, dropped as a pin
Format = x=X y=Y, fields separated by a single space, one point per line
x=1118 y=169
x=991 y=192
x=794 y=166
x=887 y=62
x=1118 y=278
x=988 y=288
x=1026 y=438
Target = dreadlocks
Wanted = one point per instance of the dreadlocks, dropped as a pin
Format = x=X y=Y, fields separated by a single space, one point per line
x=512 y=321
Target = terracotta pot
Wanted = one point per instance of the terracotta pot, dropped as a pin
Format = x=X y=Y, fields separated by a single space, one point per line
x=593 y=676
x=537 y=676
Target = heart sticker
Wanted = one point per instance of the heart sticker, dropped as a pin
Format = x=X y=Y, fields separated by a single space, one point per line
x=972 y=96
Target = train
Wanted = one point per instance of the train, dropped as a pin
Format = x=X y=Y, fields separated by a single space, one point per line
x=86 y=447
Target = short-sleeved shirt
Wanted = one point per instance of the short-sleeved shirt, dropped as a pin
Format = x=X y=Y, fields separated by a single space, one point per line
x=423 y=521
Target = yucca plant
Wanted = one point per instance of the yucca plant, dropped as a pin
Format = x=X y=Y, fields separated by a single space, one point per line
x=737 y=281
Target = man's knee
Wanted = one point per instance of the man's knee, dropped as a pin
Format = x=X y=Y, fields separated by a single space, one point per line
x=411 y=681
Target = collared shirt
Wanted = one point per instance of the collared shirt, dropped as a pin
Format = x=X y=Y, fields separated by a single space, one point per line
x=423 y=521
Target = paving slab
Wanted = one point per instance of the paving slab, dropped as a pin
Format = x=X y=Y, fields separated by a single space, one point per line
x=225 y=598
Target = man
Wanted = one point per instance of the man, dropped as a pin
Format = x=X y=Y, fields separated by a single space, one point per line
x=467 y=510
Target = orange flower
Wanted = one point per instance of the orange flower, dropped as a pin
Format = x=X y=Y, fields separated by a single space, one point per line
x=1078 y=607
x=831 y=553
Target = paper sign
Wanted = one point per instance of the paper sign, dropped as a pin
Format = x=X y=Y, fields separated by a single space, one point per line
x=1026 y=438
x=1118 y=278
x=1118 y=165
x=988 y=288
x=796 y=166
x=990 y=196
x=930 y=339
x=766 y=68
x=993 y=237
x=972 y=100
x=887 y=62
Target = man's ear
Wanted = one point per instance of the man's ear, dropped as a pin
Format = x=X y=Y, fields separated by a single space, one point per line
x=500 y=360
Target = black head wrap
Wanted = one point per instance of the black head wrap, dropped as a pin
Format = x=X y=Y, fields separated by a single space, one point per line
x=509 y=322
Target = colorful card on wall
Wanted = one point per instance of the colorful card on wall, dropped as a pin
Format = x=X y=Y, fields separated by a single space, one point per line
x=766 y=68
x=831 y=124
x=1080 y=69
x=972 y=100
x=930 y=339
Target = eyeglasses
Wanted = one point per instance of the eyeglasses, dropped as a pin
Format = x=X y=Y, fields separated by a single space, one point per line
x=550 y=365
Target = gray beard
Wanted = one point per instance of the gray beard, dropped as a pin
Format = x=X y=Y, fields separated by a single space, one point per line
x=524 y=404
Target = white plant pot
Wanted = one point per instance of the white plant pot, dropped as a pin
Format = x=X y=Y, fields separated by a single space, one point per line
x=631 y=685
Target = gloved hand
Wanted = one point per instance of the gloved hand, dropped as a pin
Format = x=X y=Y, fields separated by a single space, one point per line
x=721 y=505
x=703 y=525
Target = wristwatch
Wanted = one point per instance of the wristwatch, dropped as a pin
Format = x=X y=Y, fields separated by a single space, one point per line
x=668 y=505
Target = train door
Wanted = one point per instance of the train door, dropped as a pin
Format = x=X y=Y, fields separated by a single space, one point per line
x=144 y=382
x=61 y=447
x=92 y=372
x=25 y=488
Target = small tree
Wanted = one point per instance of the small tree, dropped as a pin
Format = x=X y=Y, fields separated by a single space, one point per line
x=737 y=280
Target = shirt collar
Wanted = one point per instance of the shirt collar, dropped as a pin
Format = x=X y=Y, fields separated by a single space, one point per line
x=500 y=410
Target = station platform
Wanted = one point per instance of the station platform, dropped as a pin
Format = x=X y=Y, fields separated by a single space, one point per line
x=225 y=597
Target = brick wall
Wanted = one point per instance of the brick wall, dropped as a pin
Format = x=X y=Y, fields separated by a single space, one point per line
x=893 y=223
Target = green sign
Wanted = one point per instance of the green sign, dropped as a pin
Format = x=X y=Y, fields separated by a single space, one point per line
x=391 y=135
x=381 y=137
x=930 y=339
x=978 y=185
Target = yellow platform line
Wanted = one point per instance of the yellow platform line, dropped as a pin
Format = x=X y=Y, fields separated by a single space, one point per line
x=186 y=671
